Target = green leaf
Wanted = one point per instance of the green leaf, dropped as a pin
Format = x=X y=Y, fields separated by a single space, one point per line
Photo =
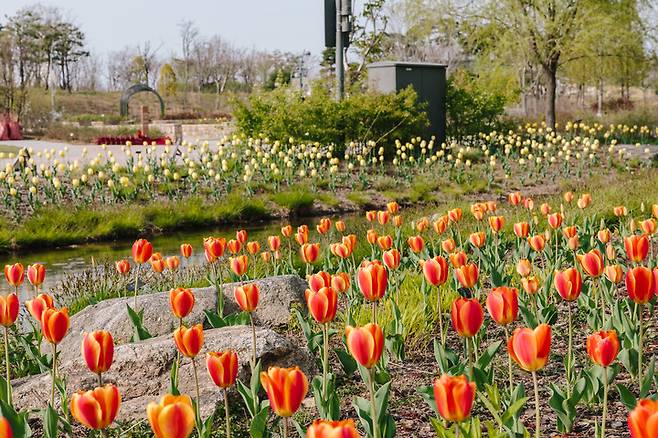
x=258 y=426
x=511 y=411
x=485 y=359
x=173 y=377
x=647 y=380
x=136 y=319
x=347 y=361
x=50 y=422
x=626 y=396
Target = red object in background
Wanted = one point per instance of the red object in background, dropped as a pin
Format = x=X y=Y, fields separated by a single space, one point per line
x=138 y=139
x=10 y=129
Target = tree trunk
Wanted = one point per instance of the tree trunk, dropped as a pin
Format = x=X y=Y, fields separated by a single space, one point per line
x=551 y=86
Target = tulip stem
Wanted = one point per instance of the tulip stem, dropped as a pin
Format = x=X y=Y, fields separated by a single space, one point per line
x=509 y=363
x=325 y=359
x=374 y=311
x=639 y=352
x=469 y=352
x=52 y=388
x=228 y=416
x=456 y=430
x=569 y=350
x=136 y=286
x=439 y=314
x=605 y=400
x=198 y=399
x=285 y=427
x=537 y=423
x=253 y=341
x=100 y=379
x=9 y=395
x=373 y=406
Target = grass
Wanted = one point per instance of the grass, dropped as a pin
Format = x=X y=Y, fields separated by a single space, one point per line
x=7 y=149
x=297 y=199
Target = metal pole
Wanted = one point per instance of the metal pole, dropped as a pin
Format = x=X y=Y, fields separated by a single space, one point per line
x=340 y=72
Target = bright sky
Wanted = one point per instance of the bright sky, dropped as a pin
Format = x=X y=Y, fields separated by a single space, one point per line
x=286 y=25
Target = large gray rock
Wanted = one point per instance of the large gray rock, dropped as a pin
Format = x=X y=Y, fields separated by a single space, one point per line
x=277 y=295
x=141 y=370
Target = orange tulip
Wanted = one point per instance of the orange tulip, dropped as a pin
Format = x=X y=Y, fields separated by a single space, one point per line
x=648 y=226
x=530 y=348
x=373 y=280
x=602 y=347
x=555 y=220
x=639 y=284
x=385 y=242
x=319 y=280
x=310 y=252
x=416 y=243
x=435 y=270
x=365 y=343
x=247 y=296
x=478 y=239
x=568 y=283
x=454 y=396
x=458 y=259
x=340 y=250
x=620 y=211
x=14 y=274
x=655 y=280
x=332 y=429
x=222 y=367
x=158 y=265
x=286 y=389
x=573 y=243
x=637 y=247
x=393 y=207
x=568 y=197
x=265 y=256
x=524 y=267
x=98 y=351
x=455 y=215
x=213 y=248
x=189 y=340
x=36 y=273
x=537 y=242
x=142 y=251
x=253 y=247
x=286 y=231
x=496 y=223
x=173 y=417
x=181 y=302
x=613 y=273
x=340 y=226
x=467 y=316
x=371 y=215
x=324 y=226
x=391 y=258
x=9 y=308
x=172 y=263
x=186 y=250
x=241 y=236
x=274 y=242
x=5 y=428
x=604 y=235
x=570 y=232
x=37 y=305
x=530 y=284
x=448 y=245
x=350 y=241
x=96 y=409
x=643 y=419
x=515 y=198
x=239 y=264
x=322 y=304
x=439 y=226
x=422 y=224
x=54 y=324
x=340 y=282
x=592 y=263
x=397 y=221
x=528 y=204
x=545 y=209
x=123 y=266
x=503 y=304
x=521 y=229
x=467 y=275
x=383 y=217
x=234 y=246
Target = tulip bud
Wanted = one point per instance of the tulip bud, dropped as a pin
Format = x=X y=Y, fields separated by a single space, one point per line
x=241 y=236
x=310 y=252
x=639 y=284
x=331 y=429
x=637 y=247
x=530 y=284
x=181 y=302
x=98 y=351
x=448 y=245
x=286 y=231
x=37 y=305
x=172 y=263
x=123 y=266
x=234 y=246
x=365 y=343
x=521 y=229
x=478 y=239
x=524 y=267
x=5 y=428
x=391 y=258
x=613 y=273
x=435 y=270
x=253 y=247
x=416 y=243
x=592 y=263
x=393 y=207
x=285 y=388
x=530 y=348
x=274 y=242
x=322 y=304
x=372 y=278
x=186 y=250
x=454 y=396
x=247 y=296
x=568 y=283
x=239 y=265
x=189 y=340
x=96 y=409
x=467 y=316
x=36 y=274
x=54 y=324
x=467 y=275
x=503 y=304
x=496 y=223
x=602 y=347
x=173 y=417
x=222 y=368
x=9 y=308
x=14 y=274
x=142 y=251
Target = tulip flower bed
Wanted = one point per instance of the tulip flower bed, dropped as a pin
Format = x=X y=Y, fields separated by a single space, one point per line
x=507 y=317
x=121 y=194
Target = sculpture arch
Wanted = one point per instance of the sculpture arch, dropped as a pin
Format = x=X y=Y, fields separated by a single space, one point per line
x=131 y=91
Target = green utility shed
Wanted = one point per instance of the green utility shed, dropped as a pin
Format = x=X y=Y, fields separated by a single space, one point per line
x=429 y=81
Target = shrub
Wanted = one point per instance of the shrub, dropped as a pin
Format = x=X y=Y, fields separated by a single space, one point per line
x=471 y=109
x=284 y=113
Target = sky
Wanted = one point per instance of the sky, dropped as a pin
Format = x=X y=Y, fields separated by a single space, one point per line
x=285 y=25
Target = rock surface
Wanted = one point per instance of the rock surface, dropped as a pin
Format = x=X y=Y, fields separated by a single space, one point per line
x=141 y=370
x=277 y=295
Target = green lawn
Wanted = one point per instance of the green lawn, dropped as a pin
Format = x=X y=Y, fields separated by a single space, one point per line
x=6 y=149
